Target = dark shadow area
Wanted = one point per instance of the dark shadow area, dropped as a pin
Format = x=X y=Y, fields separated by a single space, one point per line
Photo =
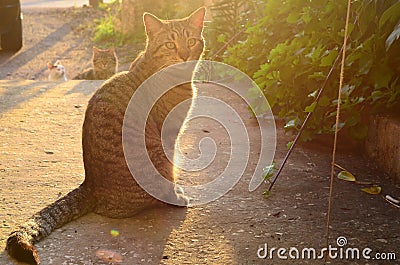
x=31 y=53
x=18 y=92
x=94 y=239
x=60 y=57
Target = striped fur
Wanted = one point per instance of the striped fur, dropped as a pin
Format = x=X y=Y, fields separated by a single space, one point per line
x=105 y=65
x=109 y=188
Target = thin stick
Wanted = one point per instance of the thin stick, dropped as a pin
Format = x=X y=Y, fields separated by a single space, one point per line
x=306 y=120
x=227 y=43
x=337 y=124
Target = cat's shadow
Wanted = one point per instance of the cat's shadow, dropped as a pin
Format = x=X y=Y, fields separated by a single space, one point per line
x=136 y=240
x=94 y=239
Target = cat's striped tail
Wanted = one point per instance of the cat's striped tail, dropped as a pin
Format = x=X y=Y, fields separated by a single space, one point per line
x=73 y=205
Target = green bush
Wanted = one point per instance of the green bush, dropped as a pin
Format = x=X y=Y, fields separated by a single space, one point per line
x=107 y=30
x=229 y=17
x=290 y=50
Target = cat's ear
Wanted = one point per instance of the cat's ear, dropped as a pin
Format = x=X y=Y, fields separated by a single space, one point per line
x=58 y=62
x=197 y=17
x=152 y=23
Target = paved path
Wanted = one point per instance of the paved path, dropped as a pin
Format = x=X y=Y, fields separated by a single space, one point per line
x=40 y=160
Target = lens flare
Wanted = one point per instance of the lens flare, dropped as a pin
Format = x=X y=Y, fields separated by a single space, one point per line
x=203 y=106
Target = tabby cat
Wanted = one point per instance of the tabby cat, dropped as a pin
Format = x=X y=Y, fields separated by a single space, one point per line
x=105 y=65
x=57 y=71
x=109 y=188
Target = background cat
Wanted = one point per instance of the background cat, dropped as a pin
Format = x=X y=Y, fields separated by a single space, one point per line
x=57 y=71
x=109 y=188
x=105 y=65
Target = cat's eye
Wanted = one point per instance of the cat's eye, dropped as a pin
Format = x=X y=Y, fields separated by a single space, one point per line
x=170 y=45
x=191 y=42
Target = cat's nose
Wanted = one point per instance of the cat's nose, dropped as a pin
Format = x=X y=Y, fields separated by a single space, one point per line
x=184 y=55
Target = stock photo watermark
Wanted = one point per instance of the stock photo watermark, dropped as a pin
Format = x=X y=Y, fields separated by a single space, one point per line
x=196 y=73
x=340 y=251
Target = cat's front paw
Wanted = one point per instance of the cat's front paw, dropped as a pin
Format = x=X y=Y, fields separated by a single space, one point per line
x=183 y=200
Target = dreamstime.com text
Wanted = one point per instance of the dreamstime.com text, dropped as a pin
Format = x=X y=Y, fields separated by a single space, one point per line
x=332 y=252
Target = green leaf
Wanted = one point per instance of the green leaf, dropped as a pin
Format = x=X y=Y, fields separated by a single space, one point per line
x=395 y=35
x=390 y=14
x=341 y=125
x=268 y=172
x=291 y=124
x=374 y=190
x=313 y=94
x=266 y=194
x=346 y=90
x=365 y=65
x=311 y=107
x=377 y=94
x=329 y=59
x=289 y=145
x=346 y=175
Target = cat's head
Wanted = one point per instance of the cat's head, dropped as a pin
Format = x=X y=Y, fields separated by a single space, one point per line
x=57 y=71
x=104 y=59
x=175 y=41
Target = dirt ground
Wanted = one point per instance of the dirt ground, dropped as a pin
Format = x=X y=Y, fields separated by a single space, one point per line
x=40 y=160
x=52 y=34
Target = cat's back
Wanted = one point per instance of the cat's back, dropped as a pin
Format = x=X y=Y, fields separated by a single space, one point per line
x=102 y=126
x=115 y=91
x=107 y=174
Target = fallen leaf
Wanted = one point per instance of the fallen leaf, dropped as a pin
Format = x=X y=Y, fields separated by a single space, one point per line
x=346 y=175
x=372 y=190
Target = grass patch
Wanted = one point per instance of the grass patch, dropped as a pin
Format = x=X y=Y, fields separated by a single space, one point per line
x=108 y=30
